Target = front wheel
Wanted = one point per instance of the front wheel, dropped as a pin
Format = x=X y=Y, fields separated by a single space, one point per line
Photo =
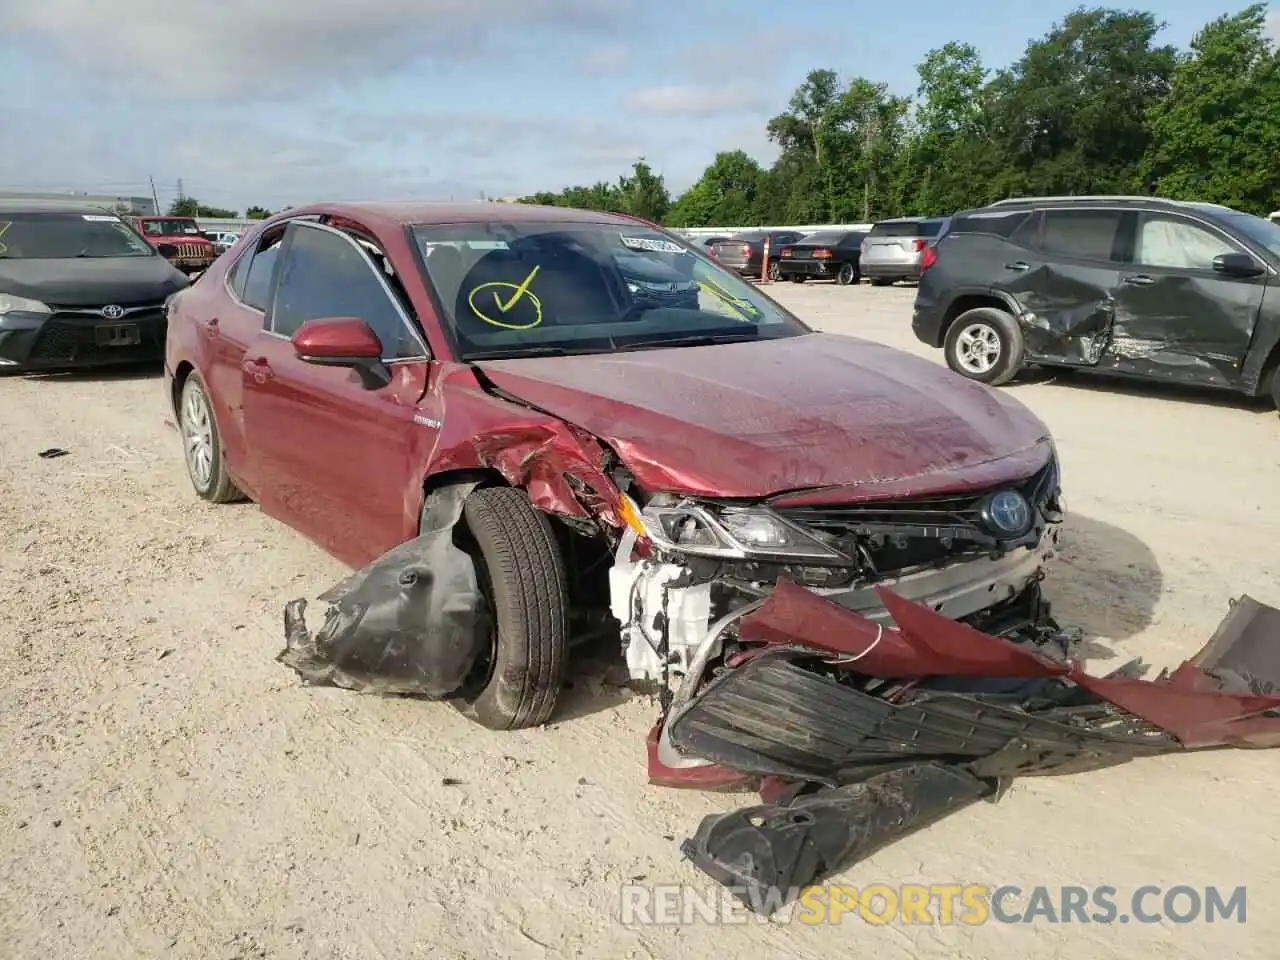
x=775 y=272
x=1275 y=386
x=847 y=275
x=521 y=570
x=985 y=344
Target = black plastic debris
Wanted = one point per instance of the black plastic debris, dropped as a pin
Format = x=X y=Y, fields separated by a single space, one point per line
x=414 y=621
x=52 y=453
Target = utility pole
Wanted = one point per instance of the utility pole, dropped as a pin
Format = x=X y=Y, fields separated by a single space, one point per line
x=866 y=175
x=181 y=196
x=154 y=197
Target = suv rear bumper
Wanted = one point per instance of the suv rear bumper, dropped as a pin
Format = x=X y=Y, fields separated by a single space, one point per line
x=894 y=271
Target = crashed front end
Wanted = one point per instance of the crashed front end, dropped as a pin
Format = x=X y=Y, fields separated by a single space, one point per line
x=686 y=570
x=860 y=734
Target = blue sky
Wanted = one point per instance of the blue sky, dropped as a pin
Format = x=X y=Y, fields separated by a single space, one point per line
x=295 y=100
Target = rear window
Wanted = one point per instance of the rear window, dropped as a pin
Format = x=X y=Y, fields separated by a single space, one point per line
x=827 y=239
x=907 y=228
x=995 y=223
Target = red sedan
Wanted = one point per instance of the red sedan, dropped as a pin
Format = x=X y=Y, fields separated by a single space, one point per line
x=567 y=422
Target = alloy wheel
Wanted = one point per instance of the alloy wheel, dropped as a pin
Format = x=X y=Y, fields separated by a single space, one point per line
x=978 y=349
x=197 y=435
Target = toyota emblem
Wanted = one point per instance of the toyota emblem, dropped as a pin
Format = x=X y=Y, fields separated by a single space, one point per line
x=1008 y=513
x=113 y=312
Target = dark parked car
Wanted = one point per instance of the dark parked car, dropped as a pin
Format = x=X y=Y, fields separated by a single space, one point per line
x=826 y=255
x=524 y=449
x=79 y=287
x=1135 y=286
x=744 y=253
x=894 y=249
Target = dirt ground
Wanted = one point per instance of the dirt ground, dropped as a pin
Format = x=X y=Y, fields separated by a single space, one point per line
x=168 y=789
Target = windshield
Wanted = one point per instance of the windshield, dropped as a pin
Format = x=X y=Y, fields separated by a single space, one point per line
x=170 y=228
x=528 y=289
x=64 y=236
x=1262 y=232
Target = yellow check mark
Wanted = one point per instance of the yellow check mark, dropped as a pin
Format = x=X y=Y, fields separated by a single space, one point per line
x=519 y=292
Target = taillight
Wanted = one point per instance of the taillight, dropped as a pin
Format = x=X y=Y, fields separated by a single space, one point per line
x=785 y=252
x=919 y=245
x=929 y=258
x=822 y=254
x=746 y=249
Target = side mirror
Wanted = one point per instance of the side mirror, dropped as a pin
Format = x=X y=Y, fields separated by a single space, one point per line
x=1237 y=265
x=343 y=342
x=167 y=250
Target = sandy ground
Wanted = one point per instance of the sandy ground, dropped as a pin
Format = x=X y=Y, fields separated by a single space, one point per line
x=167 y=789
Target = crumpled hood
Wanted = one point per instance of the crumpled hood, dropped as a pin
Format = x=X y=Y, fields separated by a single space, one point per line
x=756 y=419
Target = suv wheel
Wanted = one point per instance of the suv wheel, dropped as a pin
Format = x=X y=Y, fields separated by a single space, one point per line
x=985 y=344
x=1275 y=387
x=847 y=275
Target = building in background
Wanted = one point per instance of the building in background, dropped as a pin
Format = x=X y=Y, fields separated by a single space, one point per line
x=137 y=206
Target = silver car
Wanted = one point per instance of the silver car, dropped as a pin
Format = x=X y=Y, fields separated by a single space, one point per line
x=894 y=249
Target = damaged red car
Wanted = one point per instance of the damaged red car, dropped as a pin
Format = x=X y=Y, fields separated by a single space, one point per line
x=527 y=427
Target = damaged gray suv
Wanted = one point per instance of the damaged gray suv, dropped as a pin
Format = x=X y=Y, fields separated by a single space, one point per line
x=1135 y=287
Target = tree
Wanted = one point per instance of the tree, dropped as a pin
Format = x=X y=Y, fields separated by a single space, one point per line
x=257 y=213
x=1216 y=136
x=191 y=207
x=1095 y=105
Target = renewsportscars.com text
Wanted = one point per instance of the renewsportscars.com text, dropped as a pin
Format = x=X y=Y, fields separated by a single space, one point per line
x=929 y=904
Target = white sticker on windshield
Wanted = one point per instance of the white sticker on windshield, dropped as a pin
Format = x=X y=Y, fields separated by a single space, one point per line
x=649 y=243
x=100 y=218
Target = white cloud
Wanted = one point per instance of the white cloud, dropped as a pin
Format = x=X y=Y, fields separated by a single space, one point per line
x=225 y=48
x=693 y=100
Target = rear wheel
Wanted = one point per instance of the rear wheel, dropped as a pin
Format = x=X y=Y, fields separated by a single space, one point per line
x=847 y=275
x=775 y=272
x=202 y=446
x=522 y=573
x=985 y=344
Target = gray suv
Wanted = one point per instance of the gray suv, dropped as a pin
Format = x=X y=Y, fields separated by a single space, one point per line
x=893 y=250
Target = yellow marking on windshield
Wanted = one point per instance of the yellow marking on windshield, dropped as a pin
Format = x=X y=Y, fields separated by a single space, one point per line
x=738 y=305
x=4 y=228
x=520 y=293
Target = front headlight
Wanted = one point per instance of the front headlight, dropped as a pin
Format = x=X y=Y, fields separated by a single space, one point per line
x=11 y=304
x=741 y=533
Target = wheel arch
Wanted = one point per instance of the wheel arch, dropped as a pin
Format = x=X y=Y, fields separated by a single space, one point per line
x=969 y=300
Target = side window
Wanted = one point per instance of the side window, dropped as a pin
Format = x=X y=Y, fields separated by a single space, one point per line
x=1177 y=244
x=324 y=274
x=257 y=281
x=1080 y=234
x=237 y=275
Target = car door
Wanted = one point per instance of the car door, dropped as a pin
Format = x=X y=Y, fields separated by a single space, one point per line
x=335 y=460
x=1176 y=317
x=228 y=332
x=1063 y=266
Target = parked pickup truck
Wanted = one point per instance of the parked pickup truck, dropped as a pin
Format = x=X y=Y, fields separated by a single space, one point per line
x=194 y=254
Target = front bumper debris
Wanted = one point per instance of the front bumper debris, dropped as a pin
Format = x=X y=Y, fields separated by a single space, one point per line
x=865 y=734
x=412 y=622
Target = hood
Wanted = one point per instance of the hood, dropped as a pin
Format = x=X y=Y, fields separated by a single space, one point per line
x=757 y=419
x=90 y=281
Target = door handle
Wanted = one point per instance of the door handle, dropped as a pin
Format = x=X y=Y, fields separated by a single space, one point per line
x=1141 y=280
x=1017 y=265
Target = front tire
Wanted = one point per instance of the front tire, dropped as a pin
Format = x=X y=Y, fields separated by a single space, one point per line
x=985 y=344
x=202 y=445
x=775 y=272
x=847 y=275
x=1275 y=386
x=522 y=571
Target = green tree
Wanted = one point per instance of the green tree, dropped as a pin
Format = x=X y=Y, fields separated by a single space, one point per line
x=644 y=193
x=726 y=195
x=1216 y=136
x=191 y=207
x=257 y=213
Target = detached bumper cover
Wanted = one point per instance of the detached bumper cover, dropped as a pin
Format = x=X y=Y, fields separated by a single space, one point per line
x=877 y=731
